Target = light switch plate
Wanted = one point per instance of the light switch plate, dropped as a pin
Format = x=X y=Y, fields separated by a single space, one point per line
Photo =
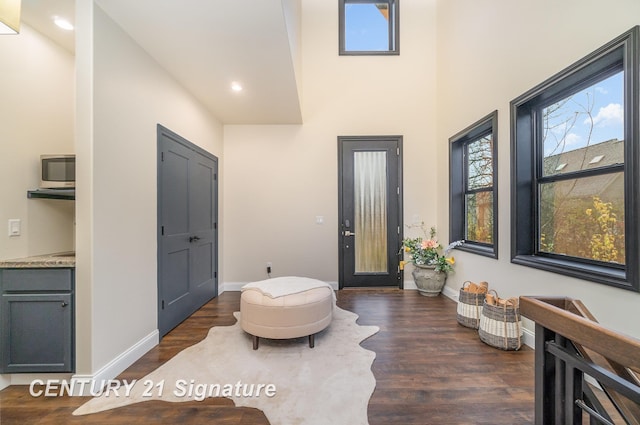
x=319 y=219
x=14 y=227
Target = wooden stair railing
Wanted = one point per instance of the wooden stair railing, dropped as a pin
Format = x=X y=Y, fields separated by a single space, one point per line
x=570 y=344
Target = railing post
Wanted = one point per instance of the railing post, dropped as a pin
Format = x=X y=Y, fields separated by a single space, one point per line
x=573 y=390
x=544 y=378
x=560 y=389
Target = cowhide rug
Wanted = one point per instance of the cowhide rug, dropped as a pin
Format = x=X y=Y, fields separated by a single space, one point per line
x=328 y=384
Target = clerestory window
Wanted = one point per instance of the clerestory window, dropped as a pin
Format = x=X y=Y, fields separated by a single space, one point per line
x=369 y=27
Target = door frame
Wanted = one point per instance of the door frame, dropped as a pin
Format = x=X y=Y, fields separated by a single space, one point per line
x=399 y=205
x=163 y=131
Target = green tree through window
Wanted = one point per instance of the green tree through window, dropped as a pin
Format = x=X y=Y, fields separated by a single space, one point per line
x=473 y=201
x=575 y=171
x=581 y=133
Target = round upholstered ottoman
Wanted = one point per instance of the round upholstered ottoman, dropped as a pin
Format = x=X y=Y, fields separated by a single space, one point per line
x=294 y=315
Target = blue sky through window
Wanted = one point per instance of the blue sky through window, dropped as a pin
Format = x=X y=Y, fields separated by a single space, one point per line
x=591 y=116
x=366 y=29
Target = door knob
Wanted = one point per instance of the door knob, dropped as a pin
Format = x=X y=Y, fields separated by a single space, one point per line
x=194 y=239
x=64 y=303
x=348 y=233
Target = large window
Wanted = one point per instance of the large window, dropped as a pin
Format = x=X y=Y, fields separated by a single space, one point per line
x=473 y=195
x=575 y=162
x=369 y=27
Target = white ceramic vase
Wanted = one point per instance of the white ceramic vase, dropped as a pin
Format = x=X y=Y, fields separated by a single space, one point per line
x=429 y=281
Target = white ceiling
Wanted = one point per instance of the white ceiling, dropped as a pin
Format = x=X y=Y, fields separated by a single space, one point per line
x=39 y=14
x=205 y=45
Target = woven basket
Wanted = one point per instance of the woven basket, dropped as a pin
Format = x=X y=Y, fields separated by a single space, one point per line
x=470 y=306
x=501 y=325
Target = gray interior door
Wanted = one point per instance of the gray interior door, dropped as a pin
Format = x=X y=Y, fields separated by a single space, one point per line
x=370 y=210
x=187 y=228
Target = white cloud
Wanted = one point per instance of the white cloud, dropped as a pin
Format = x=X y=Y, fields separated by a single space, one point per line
x=610 y=115
x=572 y=139
x=602 y=90
x=570 y=142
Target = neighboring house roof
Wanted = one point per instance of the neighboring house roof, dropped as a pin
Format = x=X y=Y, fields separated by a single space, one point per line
x=593 y=156
x=607 y=186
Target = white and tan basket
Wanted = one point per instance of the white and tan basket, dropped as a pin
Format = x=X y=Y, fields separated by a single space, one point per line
x=470 y=301
x=501 y=324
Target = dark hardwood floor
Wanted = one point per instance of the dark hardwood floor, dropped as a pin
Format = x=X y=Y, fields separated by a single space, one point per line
x=429 y=370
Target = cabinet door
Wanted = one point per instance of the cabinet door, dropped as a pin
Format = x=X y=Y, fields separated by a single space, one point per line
x=36 y=333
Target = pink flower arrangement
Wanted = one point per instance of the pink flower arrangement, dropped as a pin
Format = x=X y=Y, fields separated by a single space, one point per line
x=429 y=252
x=430 y=244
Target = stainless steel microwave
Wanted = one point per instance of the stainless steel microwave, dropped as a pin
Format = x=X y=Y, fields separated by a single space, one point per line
x=58 y=171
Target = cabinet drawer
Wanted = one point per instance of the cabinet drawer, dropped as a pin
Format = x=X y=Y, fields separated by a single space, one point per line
x=36 y=279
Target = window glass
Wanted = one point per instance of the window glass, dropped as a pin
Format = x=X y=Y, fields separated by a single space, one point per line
x=473 y=202
x=584 y=218
x=480 y=163
x=580 y=131
x=370 y=215
x=369 y=27
x=479 y=207
x=366 y=27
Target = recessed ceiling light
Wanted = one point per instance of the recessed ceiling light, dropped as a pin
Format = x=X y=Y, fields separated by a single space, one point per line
x=63 y=23
x=236 y=86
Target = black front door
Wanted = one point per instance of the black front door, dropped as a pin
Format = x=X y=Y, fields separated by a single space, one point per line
x=187 y=229
x=370 y=210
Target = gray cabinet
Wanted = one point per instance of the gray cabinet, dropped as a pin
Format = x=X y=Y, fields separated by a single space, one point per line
x=37 y=320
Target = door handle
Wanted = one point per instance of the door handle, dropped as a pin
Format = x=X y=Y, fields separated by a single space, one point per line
x=193 y=239
x=64 y=303
x=348 y=233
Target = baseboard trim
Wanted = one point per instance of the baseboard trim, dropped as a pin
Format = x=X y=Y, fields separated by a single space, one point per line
x=5 y=381
x=450 y=293
x=528 y=336
x=232 y=286
x=410 y=285
x=237 y=286
x=116 y=366
x=28 y=378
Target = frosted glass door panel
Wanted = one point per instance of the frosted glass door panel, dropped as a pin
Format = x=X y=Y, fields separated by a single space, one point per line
x=370 y=192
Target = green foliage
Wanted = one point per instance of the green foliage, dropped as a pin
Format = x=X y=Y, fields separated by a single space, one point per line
x=585 y=228
x=428 y=251
x=480 y=217
x=603 y=244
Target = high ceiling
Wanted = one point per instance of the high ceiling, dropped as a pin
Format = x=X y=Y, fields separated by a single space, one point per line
x=206 y=45
x=39 y=14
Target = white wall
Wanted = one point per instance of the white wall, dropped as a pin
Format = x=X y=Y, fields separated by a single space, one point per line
x=457 y=63
x=124 y=98
x=36 y=117
x=488 y=54
x=292 y=10
x=279 y=178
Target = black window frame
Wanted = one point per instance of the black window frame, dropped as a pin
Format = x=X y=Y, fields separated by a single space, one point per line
x=458 y=184
x=526 y=163
x=394 y=29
